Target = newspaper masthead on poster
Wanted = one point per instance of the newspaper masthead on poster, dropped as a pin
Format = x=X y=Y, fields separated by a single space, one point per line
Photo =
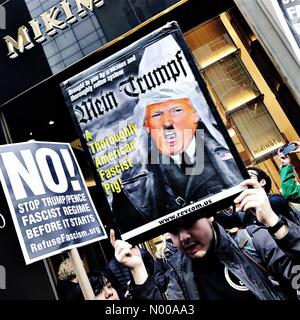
x=154 y=137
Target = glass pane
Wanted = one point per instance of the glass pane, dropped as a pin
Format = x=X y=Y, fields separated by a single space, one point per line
x=257 y=129
x=210 y=43
x=145 y=9
x=108 y=22
x=231 y=82
x=67 y=38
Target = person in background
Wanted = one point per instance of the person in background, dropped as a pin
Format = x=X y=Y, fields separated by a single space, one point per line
x=68 y=287
x=122 y=276
x=279 y=204
x=67 y=284
x=289 y=172
x=102 y=286
x=222 y=270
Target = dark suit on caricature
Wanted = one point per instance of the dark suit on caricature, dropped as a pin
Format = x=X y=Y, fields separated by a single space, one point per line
x=153 y=190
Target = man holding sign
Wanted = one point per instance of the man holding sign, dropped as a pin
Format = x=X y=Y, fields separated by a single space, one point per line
x=222 y=269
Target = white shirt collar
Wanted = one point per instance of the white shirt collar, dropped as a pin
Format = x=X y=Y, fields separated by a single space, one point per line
x=190 y=152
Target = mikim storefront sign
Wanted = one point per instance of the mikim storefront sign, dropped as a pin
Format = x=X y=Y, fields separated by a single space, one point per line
x=58 y=17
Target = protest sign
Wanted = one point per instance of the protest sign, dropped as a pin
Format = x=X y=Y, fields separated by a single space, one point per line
x=291 y=13
x=285 y=18
x=157 y=144
x=49 y=202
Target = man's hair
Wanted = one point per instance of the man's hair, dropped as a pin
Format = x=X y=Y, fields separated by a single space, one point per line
x=261 y=174
x=66 y=270
x=98 y=280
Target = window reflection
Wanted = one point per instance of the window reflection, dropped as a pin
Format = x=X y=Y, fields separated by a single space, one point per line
x=106 y=23
x=71 y=44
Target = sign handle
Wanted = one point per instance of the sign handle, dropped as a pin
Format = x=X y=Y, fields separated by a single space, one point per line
x=82 y=277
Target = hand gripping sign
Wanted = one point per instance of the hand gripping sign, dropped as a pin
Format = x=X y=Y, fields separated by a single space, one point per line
x=50 y=205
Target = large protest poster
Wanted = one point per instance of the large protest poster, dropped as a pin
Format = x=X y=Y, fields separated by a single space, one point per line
x=49 y=202
x=156 y=141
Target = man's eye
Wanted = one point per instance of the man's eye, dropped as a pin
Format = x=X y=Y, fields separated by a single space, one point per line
x=156 y=114
x=176 y=110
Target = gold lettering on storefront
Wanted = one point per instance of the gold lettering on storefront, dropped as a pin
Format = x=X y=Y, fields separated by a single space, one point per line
x=56 y=18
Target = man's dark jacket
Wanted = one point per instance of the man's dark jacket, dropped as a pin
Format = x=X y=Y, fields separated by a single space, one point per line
x=151 y=191
x=174 y=277
x=279 y=257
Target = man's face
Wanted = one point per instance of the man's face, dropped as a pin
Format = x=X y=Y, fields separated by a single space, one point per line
x=195 y=240
x=107 y=293
x=172 y=125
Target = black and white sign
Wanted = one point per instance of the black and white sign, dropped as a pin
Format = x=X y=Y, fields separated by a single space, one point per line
x=157 y=143
x=50 y=205
x=291 y=12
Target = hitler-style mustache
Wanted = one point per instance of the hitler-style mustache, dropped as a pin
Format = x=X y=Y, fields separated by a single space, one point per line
x=169 y=127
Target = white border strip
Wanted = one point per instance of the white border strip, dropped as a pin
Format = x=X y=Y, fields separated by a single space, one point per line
x=182 y=212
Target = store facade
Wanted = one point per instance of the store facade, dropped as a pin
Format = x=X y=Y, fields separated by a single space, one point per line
x=48 y=42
